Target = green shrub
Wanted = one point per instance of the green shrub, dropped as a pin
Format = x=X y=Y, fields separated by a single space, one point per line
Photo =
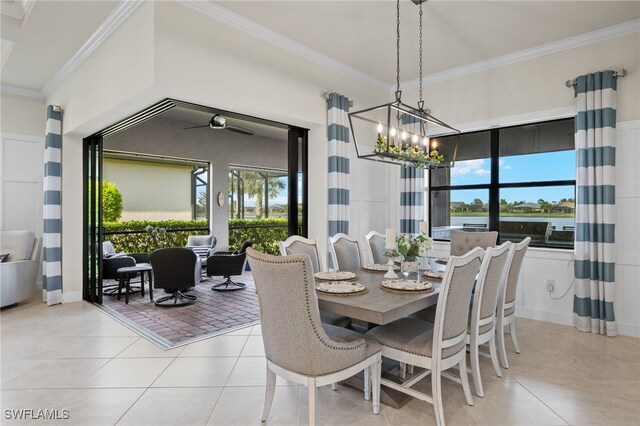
x=111 y=202
x=265 y=232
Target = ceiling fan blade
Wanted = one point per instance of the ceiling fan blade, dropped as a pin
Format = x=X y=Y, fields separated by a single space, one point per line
x=240 y=130
x=194 y=127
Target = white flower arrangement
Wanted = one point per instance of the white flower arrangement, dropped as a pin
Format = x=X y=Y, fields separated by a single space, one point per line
x=411 y=247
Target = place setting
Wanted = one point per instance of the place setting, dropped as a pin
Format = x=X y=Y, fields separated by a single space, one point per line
x=405 y=286
x=339 y=283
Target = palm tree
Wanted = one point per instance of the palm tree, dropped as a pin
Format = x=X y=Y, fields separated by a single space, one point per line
x=254 y=186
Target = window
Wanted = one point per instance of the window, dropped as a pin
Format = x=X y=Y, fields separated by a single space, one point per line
x=200 y=183
x=519 y=181
x=257 y=193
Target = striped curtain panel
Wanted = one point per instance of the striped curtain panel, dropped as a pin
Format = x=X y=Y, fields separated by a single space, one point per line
x=411 y=199
x=338 y=135
x=52 y=227
x=595 y=125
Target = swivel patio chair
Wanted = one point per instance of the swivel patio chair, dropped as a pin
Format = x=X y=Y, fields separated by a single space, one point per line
x=297 y=346
x=227 y=264
x=463 y=241
x=174 y=270
x=112 y=261
x=439 y=346
x=507 y=302
x=300 y=245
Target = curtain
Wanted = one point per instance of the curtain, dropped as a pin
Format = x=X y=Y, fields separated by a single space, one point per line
x=411 y=199
x=52 y=215
x=595 y=134
x=338 y=135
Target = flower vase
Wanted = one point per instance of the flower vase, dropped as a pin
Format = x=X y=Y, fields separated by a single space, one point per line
x=409 y=266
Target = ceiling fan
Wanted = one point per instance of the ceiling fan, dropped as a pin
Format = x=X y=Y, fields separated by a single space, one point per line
x=218 y=122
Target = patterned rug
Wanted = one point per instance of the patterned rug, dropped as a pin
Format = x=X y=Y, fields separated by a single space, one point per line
x=215 y=312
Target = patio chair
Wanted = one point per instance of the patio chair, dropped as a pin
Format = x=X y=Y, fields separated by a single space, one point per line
x=227 y=264
x=507 y=302
x=202 y=246
x=174 y=270
x=345 y=253
x=377 y=243
x=300 y=245
x=463 y=241
x=297 y=346
x=439 y=346
x=112 y=261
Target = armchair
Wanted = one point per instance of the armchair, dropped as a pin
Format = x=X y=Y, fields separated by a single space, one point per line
x=226 y=264
x=202 y=245
x=112 y=261
x=18 y=273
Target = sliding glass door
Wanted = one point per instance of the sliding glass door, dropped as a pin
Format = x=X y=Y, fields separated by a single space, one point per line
x=92 y=219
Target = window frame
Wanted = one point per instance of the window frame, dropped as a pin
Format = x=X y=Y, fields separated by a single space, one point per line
x=494 y=186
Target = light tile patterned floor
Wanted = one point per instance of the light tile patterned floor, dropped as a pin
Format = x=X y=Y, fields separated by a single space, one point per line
x=213 y=313
x=75 y=357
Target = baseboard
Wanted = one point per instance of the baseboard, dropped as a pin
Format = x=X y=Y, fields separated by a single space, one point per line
x=624 y=329
x=71 y=296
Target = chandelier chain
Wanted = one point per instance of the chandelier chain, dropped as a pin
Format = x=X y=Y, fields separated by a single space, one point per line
x=398 y=45
x=420 y=48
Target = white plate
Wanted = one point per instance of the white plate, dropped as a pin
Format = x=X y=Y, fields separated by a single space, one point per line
x=434 y=274
x=340 y=287
x=379 y=267
x=408 y=285
x=335 y=275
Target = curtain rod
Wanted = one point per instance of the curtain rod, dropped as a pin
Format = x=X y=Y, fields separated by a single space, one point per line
x=325 y=95
x=620 y=73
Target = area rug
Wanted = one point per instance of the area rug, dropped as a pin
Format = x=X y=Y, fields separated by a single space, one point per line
x=215 y=313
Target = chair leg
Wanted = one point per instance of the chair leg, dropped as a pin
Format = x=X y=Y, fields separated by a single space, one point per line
x=475 y=369
x=464 y=379
x=403 y=370
x=376 y=371
x=501 y=349
x=494 y=356
x=367 y=383
x=312 y=391
x=514 y=338
x=436 y=390
x=268 y=396
x=334 y=386
x=410 y=369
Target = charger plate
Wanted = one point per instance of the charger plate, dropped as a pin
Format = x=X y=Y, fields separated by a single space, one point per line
x=442 y=260
x=335 y=276
x=406 y=286
x=379 y=267
x=436 y=275
x=341 y=288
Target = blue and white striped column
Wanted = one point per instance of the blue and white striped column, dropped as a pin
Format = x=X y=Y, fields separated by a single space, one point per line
x=595 y=125
x=411 y=199
x=52 y=214
x=338 y=135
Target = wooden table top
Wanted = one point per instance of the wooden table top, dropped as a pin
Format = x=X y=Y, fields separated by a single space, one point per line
x=378 y=306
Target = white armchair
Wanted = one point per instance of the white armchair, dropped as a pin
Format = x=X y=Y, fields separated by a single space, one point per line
x=19 y=272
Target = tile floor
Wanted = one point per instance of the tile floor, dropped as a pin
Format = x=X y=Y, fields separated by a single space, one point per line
x=74 y=357
x=212 y=314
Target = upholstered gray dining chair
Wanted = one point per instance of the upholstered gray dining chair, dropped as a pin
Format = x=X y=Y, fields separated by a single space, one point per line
x=507 y=301
x=298 y=347
x=296 y=244
x=438 y=346
x=377 y=245
x=345 y=253
x=463 y=241
x=482 y=324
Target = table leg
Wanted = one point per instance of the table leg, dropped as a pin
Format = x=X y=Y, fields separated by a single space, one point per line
x=142 y=283
x=120 y=284
x=150 y=286
x=126 y=291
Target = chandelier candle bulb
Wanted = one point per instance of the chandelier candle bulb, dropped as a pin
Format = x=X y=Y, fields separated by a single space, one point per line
x=391 y=239
x=379 y=130
x=423 y=228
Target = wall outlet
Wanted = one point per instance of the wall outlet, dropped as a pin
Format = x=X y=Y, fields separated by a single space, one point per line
x=551 y=285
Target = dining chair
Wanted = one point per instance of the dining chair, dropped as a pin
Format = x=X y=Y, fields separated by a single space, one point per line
x=298 y=347
x=377 y=243
x=439 y=346
x=296 y=244
x=463 y=241
x=482 y=323
x=507 y=301
x=345 y=252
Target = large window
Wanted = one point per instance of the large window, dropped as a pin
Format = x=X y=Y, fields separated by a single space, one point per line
x=517 y=180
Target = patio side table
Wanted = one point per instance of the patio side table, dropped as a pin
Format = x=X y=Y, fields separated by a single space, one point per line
x=127 y=272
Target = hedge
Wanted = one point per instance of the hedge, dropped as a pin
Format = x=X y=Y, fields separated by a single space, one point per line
x=265 y=232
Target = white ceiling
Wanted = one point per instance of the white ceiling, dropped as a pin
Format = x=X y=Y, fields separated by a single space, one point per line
x=358 y=34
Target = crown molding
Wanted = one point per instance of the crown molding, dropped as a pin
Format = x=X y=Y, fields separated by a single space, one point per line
x=573 y=42
x=260 y=31
x=123 y=11
x=21 y=91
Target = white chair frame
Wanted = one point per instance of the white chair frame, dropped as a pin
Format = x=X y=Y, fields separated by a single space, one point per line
x=372 y=371
x=284 y=245
x=368 y=237
x=332 y=250
x=435 y=365
x=510 y=320
x=474 y=338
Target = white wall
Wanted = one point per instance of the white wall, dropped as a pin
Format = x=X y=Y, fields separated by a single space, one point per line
x=534 y=90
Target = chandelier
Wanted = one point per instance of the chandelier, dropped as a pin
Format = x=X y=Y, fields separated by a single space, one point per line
x=397 y=133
